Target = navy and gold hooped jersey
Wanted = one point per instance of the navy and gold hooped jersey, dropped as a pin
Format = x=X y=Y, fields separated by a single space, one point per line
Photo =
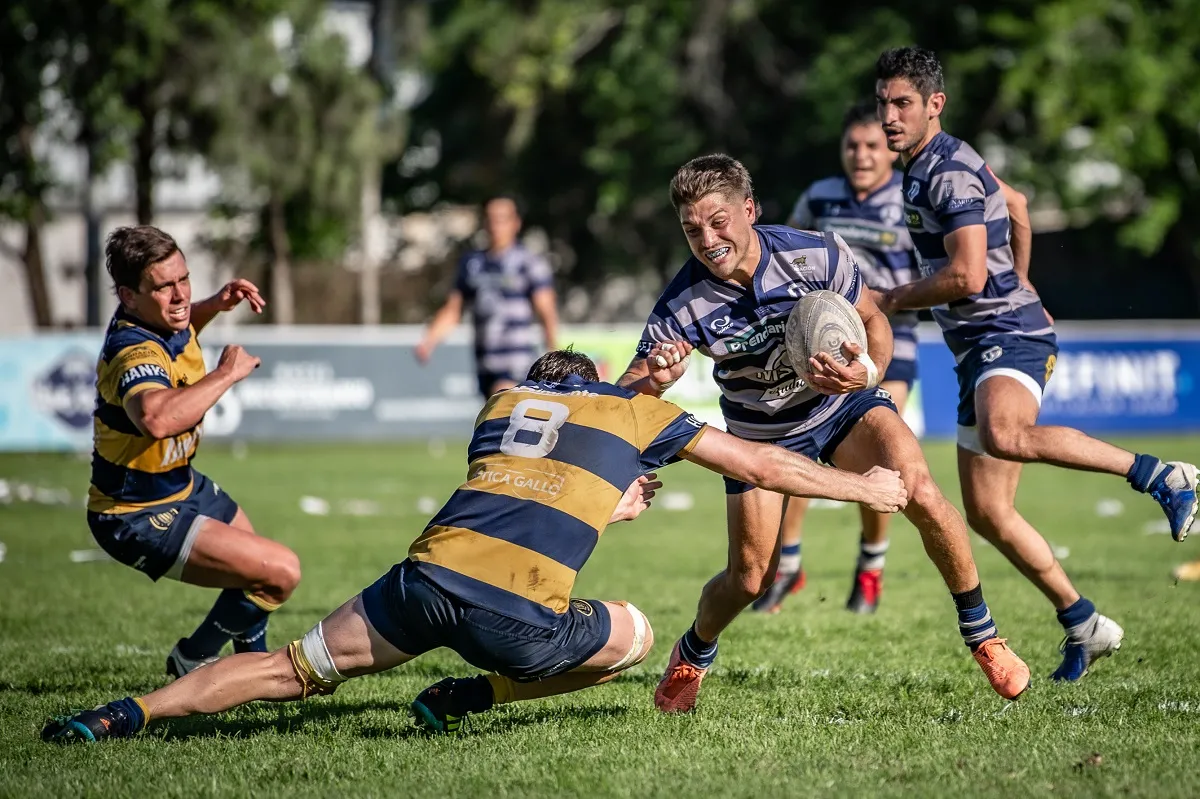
x=547 y=466
x=131 y=470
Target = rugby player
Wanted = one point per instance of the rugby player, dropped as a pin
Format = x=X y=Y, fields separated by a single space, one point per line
x=731 y=301
x=147 y=507
x=506 y=286
x=551 y=464
x=1004 y=346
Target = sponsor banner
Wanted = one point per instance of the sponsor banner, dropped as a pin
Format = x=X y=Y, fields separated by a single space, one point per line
x=347 y=383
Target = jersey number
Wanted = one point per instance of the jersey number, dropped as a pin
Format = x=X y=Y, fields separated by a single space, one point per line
x=536 y=422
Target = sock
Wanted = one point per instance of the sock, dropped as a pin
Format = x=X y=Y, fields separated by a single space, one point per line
x=234 y=613
x=136 y=715
x=1078 y=620
x=696 y=651
x=974 y=619
x=871 y=556
x=252 y=640
x=789 y=559
x=1145 y=472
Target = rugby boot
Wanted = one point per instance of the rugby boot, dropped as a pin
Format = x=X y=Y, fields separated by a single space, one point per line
x=784 y=586
x=1104 y=639
x=1007 y=673
x=445 y=705
x=1187 y=572
x=868 y=585
x=1175 y=491
x=120 y=719
x=179 y=664
x=680 y=685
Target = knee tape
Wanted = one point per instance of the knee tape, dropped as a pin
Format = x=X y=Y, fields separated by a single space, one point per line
x=313 y=663
x=641 y=627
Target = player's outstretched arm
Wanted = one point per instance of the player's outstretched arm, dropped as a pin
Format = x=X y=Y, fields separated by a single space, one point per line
x=229 y=297
x=1021 y=239
x=776 y=469
x=545 y=308
x=167 y=412
x=659 y=370
x=445 y=320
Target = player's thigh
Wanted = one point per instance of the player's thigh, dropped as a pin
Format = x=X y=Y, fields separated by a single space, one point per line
x=899 y=391
x=754 y=518
x=881 y=438
x=242 y=522
x=1004 y=405
x=224 y=556
x=630 y=638
x=354 y=644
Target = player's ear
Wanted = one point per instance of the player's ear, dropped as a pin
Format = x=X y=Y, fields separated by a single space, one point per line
x=937 y=101
x=125 y=295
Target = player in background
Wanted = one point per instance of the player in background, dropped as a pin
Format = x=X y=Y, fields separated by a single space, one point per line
x=1004 y=346
x=552 y=463
x=147 y=507
x=506 y=286
x=731 y=301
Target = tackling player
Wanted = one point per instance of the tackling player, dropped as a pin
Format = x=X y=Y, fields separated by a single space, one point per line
x=506 y=286
x=731 y=301
x=1004 y=346
x=865 y=208
x=551 y=464
x=147 y=507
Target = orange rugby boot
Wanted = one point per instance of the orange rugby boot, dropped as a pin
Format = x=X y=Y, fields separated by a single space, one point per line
x=679 y=687
x=1007 y=673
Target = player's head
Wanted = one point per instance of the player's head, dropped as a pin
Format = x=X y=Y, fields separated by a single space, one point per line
x=865 y=154
x=714 y=197
x=150 y=276
x=910 y=94
x=557 y=365
x=502 y=221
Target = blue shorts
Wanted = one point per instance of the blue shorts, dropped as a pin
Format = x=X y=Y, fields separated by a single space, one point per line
x=157 y=540
x=488 y=379
x=1028 y=359
x=415 y=616
x=822 y=441
x=901 y=370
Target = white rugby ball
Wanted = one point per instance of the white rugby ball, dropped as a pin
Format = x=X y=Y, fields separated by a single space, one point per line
x=820 y=322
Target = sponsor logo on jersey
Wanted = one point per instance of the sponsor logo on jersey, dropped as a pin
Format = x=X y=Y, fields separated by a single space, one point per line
x=914 y=188
x=142 y=371
x=720 y=324
x=756 y=335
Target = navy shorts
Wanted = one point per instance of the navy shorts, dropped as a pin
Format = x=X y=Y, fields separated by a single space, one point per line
x=157 y=540
x=415 y=616
x=822 y=441
x=901 y=370
x=488 y=379
x=1028 y=359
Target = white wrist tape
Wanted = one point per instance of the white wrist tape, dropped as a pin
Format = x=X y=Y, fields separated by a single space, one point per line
x=872 y=369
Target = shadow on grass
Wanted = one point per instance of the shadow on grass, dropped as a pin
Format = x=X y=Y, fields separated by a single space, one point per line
x=504 y=723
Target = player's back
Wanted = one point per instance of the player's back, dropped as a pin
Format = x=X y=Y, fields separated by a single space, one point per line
x=548 y=464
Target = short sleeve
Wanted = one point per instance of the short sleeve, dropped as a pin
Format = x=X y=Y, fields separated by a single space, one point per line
x=538 y=274
x=664 y=431
x=801 y=218
x=844 y=277
x=139 y=367
x=660 y=327
x=956 y=196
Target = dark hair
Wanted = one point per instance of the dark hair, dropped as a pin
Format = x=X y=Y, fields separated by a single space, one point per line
x=918 y=66
x=863 y=112
x=512 y=198
x=130 y=251
x=712 y=174
x=557 y=365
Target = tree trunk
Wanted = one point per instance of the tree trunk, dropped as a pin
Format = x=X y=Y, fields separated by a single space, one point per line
x=35 y=273
x=282 y=299
x=372 y=244
x=143 y=158
x=92 y=267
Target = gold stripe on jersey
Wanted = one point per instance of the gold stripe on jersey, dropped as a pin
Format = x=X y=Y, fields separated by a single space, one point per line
x=145 y=454
x=562 y=486
x=652 y=416
x=497 y=563
x=99 y=502
x=599 y=412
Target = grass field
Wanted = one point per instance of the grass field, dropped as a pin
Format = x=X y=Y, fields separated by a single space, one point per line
x=813 y=702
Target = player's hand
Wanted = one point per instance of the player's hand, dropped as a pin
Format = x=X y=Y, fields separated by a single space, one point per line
x=234 y=292
x=667 y=362
x=422 y=351
x=636 y=498
x=885 y=490
x=827 y=376
x=237 y=362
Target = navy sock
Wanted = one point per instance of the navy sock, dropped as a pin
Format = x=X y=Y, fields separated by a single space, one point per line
x=1076 y=617
x=695 y=650
x=974 y=619
x=252 y=640
x=135 y=718
x=232 y=614
x=1144 y=471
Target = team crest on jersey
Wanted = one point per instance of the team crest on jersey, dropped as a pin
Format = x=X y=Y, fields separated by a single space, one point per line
x=914 y=188
x=581 y=607
x=162 y=521
x=891 y=214
x=802 y=265
x=992 y=353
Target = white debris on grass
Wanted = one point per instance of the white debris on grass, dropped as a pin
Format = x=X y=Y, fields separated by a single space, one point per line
x=88 y=555
x=427 y=505
x=1109 y=508
x=1157 y=527
x=677 y=500
x=314 y=506
x=359 y=507
x=1076 y=712
x=16 y=491
x=3 y=551
x=1060 y=552
x=1175 y=706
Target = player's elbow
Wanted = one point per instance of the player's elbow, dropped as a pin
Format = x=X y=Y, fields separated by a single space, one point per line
x=975 y=280
x=155 y=424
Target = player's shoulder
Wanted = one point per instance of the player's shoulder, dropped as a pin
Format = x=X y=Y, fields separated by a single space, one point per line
x=778 y=239
x=828 y=189
x=125 y=333
x=955 y=155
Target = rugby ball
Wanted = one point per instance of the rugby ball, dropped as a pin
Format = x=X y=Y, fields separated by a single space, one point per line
x=820 y=322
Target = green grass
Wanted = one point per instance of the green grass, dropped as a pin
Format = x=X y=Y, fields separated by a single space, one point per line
x=811 y=702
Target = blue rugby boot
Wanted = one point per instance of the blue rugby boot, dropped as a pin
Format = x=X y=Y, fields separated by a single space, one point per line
x=1078 y=656
x=445 y=705
x=121 y=719
x=1175 y=490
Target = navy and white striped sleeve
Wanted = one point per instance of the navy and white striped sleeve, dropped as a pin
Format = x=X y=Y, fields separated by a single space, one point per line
x=844 y=277
x=956 y=195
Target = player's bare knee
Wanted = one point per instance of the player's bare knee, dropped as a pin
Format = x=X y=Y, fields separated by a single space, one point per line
x=751 y=583
x=1007 y=442
x=923 y=492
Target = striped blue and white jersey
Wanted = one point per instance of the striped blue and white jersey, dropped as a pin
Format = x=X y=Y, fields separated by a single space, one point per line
x=741 y=329
x=947 y=187
x=499 y=289
x=875 y=230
